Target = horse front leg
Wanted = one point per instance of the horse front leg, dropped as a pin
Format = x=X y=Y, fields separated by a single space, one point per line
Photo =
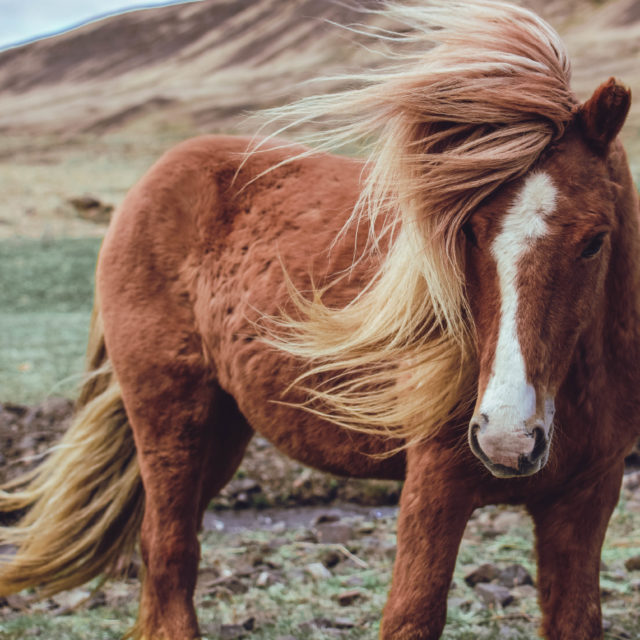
x=434 y=509
x=570 y=531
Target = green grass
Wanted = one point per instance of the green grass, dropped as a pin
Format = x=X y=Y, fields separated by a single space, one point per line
x=46 y=295
x=290 y=605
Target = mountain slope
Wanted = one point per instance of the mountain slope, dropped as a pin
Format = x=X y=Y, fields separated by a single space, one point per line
x=210 y=62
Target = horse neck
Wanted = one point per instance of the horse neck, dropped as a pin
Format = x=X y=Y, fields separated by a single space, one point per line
x=619 y=322
x=622 y=309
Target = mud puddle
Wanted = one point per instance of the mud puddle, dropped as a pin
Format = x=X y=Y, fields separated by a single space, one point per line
x=281 y=519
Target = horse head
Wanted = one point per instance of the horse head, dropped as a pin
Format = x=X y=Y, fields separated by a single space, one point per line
x=536 y=258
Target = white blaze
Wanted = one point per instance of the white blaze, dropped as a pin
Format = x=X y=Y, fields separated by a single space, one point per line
x=509 y=400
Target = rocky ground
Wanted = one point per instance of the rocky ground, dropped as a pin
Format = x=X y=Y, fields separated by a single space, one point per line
x=290 y=554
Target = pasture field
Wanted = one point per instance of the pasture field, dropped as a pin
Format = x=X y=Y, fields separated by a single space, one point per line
x=46 y=295
x=281 y=582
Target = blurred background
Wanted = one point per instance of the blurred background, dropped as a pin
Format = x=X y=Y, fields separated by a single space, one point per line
x=84 y=111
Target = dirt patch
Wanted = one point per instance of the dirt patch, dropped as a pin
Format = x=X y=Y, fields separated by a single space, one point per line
x=316 y=572
x=266 y=478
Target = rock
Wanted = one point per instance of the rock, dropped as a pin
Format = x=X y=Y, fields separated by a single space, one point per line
x=347 y=598
x=514 y=575
x=335 y=533
x=484 y=573
x=493 y=594
x=246 y=485
x=507 y=633
x=230 y=584
x=92 y=209
x=366 y=527
x=343 y=623
x=633 y=563
x=522 y=592
x=235 y=631
x=506 y=520
x=232 y=632
x=318 y=571
x=459 y=603
x=67 y=601
x=333 y=623
x=265 y=579
x=331 y=559
x=631 y=481
x=354 y=581
x=16 y=602
x=97 y=600
x=325 y=518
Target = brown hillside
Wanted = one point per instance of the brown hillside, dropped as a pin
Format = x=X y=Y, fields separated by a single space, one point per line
x=88 y=110
x=214 y=60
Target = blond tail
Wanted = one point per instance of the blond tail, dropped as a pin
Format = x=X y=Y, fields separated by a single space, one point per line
x=83 y=505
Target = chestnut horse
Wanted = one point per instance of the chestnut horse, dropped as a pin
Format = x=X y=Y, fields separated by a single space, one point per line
x=461 y=312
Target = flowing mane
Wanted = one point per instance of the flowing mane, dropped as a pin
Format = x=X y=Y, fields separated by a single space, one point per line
x=483 y=93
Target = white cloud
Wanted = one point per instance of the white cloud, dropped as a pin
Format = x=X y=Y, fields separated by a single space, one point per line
x=22 y=20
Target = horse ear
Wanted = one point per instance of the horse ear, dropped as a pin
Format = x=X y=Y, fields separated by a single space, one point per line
x=601 y=117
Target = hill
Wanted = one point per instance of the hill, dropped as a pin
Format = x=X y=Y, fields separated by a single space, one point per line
x=89 y=109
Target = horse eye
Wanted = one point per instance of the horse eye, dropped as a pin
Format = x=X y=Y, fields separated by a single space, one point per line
x=468 y=232
x=594 y=246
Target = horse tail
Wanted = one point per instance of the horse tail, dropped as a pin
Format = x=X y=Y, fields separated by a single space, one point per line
x=78 y=514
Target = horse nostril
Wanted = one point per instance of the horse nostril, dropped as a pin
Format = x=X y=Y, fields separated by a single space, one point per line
x=474 y=429
x=540 y=445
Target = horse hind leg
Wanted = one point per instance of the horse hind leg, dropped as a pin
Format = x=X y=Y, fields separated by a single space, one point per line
x=189 y=445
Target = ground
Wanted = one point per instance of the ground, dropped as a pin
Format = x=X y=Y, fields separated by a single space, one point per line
x=294 y=554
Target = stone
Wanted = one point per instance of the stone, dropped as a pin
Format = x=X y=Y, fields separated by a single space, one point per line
x=347 y=598
x=325 y=518
x=232 y=632
x=506 y=520
x=318 y=571
x=265 y=579
x=343 y=623
x=334 y=533
x=514 y=575
x=484 y=573
x=493 y=594
x=633 y=563
x=524 y=591
x=463 y=604
x=331 y=558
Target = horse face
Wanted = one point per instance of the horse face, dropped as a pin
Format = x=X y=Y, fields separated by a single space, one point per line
x=536 y=262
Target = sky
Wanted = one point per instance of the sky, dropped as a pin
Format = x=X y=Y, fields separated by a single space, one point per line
x=23 y=20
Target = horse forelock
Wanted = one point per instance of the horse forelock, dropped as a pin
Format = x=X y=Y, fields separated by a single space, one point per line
x=482 y=92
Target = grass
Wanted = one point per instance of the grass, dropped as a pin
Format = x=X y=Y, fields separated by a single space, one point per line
x=46 y=295
x=295 y=604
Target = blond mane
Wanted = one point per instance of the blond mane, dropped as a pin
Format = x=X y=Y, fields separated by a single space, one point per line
x=481 y=89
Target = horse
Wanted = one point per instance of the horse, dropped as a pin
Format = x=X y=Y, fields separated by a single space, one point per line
x=460 y=310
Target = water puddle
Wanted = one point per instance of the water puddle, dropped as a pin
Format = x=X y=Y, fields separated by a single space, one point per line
x=280 y=519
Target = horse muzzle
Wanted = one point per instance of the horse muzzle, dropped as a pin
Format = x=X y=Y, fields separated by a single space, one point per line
x=510 y=451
